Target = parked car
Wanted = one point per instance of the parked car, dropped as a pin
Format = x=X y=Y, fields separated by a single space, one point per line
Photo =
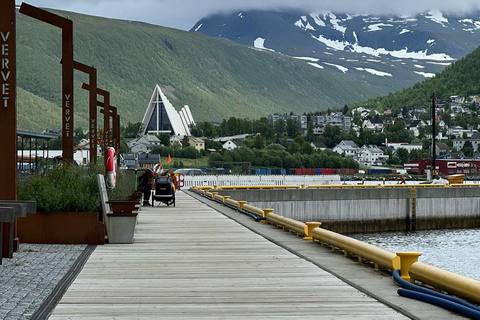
x=189 y=171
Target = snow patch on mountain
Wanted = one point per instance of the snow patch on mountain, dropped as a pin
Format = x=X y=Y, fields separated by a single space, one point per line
x=259 y=43
x=355 y=47
x=317 y=19
x=304 y=24
x=378 y=26
x=316 y=65
x=375 y=72
x=334 y=21
x=341 y=68
x=199 y=26
x=425 y=74
x=437 y=16
x=405 y=31
x=470 y=25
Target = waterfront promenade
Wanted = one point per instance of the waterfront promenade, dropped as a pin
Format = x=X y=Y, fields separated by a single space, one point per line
x=205 y=261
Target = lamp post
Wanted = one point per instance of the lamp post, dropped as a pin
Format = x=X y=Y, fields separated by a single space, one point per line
x=434 y=171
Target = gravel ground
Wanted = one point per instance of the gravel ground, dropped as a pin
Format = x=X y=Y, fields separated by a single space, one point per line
x=28 y=279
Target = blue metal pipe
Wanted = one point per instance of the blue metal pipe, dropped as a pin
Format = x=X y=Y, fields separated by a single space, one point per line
x=443 y=300
x=410 y=286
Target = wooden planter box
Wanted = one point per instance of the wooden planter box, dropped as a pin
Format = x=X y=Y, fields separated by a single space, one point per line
x=61 y=228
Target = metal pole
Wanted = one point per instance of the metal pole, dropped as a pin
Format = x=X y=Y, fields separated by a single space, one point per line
x=8 y=121
x=434 y=171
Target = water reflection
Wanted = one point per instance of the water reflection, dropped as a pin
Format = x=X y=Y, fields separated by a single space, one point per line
x=453 y=250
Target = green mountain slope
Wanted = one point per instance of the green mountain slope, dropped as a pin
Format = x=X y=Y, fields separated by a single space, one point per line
x=215 y=77
x=460 y=78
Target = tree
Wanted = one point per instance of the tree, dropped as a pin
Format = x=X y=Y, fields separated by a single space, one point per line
x=310 y=137
x=185 y=142
x=279 y=127
x=164 y=139
x=345 y=109
x=292 y=127
x=403 y=155
x=258 y=142
x=131 y=130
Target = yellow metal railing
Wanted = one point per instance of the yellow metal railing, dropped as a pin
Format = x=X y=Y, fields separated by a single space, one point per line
x=370 y=252
x=342 y=186
x=259 y=187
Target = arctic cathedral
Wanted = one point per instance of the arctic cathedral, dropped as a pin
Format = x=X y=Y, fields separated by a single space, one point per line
x=161 y=117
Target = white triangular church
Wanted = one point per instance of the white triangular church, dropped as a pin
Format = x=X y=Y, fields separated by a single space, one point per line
x=161 y=117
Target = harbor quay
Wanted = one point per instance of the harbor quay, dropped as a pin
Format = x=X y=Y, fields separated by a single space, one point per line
x=203 y=260
x=352 y=209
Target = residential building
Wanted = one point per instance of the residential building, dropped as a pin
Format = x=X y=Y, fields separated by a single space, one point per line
x=232 y=144
x=198 y=143
x=347 y=147
x=371 y=155
x=144 y=144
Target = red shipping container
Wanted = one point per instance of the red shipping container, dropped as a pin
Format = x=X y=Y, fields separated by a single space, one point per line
x=328 y=171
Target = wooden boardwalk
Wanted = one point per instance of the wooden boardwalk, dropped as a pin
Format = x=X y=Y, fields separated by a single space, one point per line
x=192 y=262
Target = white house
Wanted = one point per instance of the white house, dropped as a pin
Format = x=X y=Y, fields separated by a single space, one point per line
x=232 y=144
x=144 y=144
x=371 y=155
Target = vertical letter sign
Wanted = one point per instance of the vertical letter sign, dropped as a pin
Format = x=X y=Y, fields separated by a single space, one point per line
x=8 y=107
x=8 y=120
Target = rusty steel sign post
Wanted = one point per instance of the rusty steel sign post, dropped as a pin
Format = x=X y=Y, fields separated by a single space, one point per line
x=92 y=123
x=8 y=118
x=67 y=72
x=106 y=118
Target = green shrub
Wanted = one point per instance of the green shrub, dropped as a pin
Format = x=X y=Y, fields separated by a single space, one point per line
x=70 y=188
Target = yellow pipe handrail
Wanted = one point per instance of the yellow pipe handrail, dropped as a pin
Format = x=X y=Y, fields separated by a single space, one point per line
x=450 y=282
x=231 y=202
x=288 y=223
x=251 y=209
x=370 y=252
x=341 y=186
x=259 y=187
x=464 y=185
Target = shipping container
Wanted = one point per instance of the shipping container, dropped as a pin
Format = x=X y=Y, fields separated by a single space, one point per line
x=328 y=171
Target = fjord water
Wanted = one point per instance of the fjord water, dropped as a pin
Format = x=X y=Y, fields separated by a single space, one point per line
x=455 y=250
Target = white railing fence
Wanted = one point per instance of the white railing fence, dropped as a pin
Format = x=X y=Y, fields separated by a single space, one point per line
x=248 y=180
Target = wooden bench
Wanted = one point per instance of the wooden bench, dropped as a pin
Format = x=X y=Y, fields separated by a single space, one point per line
x=7 y=230
x=120 y=222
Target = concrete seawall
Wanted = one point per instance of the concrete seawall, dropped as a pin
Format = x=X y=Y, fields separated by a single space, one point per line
x=372 y=210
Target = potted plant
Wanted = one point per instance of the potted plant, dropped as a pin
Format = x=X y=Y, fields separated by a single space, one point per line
x=68 y=204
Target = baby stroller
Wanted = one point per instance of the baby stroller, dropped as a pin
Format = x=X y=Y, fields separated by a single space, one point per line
x=164 y=191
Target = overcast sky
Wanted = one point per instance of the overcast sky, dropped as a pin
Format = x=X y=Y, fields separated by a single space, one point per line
x=183 y=14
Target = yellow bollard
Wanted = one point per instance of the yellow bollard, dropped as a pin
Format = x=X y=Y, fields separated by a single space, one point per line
x=406 y=261
x=309 y=229
x=241 y=203
x=265 y=212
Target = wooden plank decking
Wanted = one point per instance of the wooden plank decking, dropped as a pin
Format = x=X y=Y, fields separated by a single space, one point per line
x=191 y=262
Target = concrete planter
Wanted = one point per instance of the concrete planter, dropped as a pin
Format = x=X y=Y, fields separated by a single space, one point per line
x=121 y=227
x=61 y=228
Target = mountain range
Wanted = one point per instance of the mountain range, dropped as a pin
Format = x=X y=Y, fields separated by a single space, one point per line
x=389 y=52
x=217 y=78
